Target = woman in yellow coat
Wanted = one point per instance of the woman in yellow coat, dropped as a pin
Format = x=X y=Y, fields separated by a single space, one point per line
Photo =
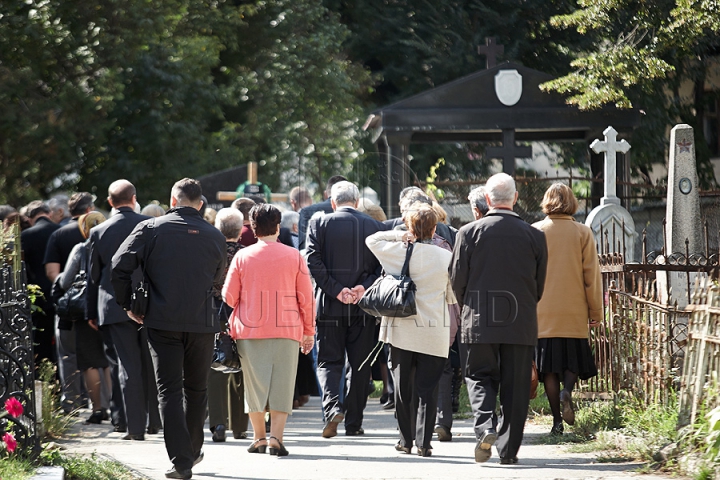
x=571 y=303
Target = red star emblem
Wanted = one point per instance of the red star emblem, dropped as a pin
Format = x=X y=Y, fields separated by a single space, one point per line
x=684 y=146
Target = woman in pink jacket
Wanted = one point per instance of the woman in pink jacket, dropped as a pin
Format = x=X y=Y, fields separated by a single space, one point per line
x=268 y=286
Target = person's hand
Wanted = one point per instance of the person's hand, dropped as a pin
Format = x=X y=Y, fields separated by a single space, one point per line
x=307 y=344
x=346 y=296
x=135 y=318
x=408 y=237
x=93 y=324
x=594 y=323
x=358 y=291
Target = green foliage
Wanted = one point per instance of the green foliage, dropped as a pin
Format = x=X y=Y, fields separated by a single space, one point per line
x=16 y=468
x=92 y=468
x=431 y=188
x=54 y=423
x=713 y=438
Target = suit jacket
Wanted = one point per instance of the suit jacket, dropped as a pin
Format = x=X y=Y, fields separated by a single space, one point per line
x=183 y=256
x=305 y=216
x=337 y=257
x=104 y=241
x=34 y=241
x=443 y=230
x=498 y=272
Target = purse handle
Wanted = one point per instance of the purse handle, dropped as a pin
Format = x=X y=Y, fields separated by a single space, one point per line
x=405 y=272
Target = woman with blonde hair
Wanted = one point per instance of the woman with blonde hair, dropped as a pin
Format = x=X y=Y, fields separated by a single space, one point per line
x=571 y=303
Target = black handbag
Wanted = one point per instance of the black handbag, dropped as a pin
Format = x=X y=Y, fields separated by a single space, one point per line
x=71 y=305
x=392 y=295
x=139 y=299
x=225 y=357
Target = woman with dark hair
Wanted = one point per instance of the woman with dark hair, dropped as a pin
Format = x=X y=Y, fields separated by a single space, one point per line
x=268 y=286
x=571 y=302
x=419 y=344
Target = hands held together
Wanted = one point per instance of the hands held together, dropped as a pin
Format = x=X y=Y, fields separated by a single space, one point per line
x=351 y=295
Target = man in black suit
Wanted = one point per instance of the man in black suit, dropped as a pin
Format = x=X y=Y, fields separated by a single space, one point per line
x=343 y=268
x=306 y=213
x=410 y=196
x=129 y=342
x=34 y=242
x=498 y=272
x=182 y=256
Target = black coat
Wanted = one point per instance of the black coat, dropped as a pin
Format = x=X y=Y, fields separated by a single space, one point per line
x=105 y=239
x=498 y=272
x=305 y=216
x=182 y=255
x=34 y=241
x=337 y=257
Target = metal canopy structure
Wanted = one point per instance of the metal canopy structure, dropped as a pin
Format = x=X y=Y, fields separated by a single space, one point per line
x=502 y=104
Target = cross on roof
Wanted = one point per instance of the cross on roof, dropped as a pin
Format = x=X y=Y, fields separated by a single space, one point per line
x=610 y=146
x=491 y=50
x=509 y=151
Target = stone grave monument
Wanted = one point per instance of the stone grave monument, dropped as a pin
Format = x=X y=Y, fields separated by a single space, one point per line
x=610 y=217
x=683 y=216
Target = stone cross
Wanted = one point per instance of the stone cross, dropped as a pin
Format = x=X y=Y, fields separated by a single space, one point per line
x=490 y=50
x=683 y=215
x=509 y=151
x=610 y=146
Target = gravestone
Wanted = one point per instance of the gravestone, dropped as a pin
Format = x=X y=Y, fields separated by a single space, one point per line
x=613 y=226
x=683 y=215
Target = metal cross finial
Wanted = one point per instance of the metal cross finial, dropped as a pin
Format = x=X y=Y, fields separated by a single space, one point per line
x=610 y=146
x=491 y=50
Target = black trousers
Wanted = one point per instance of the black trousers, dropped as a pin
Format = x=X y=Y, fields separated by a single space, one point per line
x=182 y=364
x=226 y=401
x=503 y=368
x=444 y=403
x=416 y=376
x=117 y=404
x=336 y=338
x=137 y=380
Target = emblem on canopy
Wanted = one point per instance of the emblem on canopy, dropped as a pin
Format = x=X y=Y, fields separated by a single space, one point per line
x=508 y=87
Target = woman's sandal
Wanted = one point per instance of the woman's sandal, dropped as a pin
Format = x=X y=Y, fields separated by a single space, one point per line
x=255 y=448
x=279 y=451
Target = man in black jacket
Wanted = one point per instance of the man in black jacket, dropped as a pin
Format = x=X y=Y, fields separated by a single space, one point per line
x=181 y=255
x=343 y=267
x=498 y=272
x=128 y=342
x=306 y=213
x=34 y=241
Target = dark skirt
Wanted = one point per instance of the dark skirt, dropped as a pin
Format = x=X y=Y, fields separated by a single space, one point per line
x=555 y=355
x=89 y=347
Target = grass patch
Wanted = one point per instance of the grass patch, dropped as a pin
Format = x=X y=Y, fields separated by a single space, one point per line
x=90 y=467
x=16 y=468
x=377 y=393
x=464 y=410
x=54 y=423
x=539 y=406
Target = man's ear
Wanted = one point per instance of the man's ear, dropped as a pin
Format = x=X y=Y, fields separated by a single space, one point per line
x=173 y=202
x=200 y=205
x=333 y=204
x=110 y=202
x=516 y=197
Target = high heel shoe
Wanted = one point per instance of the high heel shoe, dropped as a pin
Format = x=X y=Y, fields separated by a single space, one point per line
x=255 y=448
x=280 y=451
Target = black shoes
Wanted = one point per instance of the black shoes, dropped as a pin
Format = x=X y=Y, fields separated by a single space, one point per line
x=218 y=433
x=355 y=433
x=174 y=472
x=568 y=412
x=153 y=430
x=557 y=428
x=483 y=448
x=255 y=448
x=387 y=400
x=330 y=429
x=443 y=433
x=139 y=437
x=96 y=418
x=280 y=450
x=239 y=435
x=424 y=452
x=120 y=428
x=508 y=461
x=400 y=448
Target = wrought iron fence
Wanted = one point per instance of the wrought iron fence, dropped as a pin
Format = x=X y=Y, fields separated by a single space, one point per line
x=16 y=349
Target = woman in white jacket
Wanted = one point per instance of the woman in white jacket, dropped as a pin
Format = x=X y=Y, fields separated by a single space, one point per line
x=418 y=344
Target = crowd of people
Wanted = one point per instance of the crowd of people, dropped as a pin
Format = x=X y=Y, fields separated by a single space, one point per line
x=492 y=298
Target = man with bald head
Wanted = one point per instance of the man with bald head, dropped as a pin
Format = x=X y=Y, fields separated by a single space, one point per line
x=498 y=272
x=137 y=407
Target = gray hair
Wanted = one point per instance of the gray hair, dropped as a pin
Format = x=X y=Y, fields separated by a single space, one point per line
x=153 y=210
x=229 y=221
x=344 y=193
x=412 y=197
x=477 y=200
x=501 y=189
x=408 y=191
x=60 y=202
x=289 y=219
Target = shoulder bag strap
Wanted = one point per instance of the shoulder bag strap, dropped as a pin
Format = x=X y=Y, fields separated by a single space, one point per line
x=405 y=272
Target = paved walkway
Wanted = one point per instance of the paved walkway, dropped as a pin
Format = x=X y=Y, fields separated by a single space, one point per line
x=371 y=456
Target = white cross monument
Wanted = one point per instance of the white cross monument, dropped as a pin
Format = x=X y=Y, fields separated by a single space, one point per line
x=610 y=218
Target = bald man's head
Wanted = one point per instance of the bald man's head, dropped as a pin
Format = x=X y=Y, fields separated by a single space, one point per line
x=121 y=193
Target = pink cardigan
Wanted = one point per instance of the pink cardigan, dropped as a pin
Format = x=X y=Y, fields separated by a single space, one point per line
x=268 y=285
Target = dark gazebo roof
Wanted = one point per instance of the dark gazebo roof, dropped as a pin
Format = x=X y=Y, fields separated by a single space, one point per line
x=469 y=110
